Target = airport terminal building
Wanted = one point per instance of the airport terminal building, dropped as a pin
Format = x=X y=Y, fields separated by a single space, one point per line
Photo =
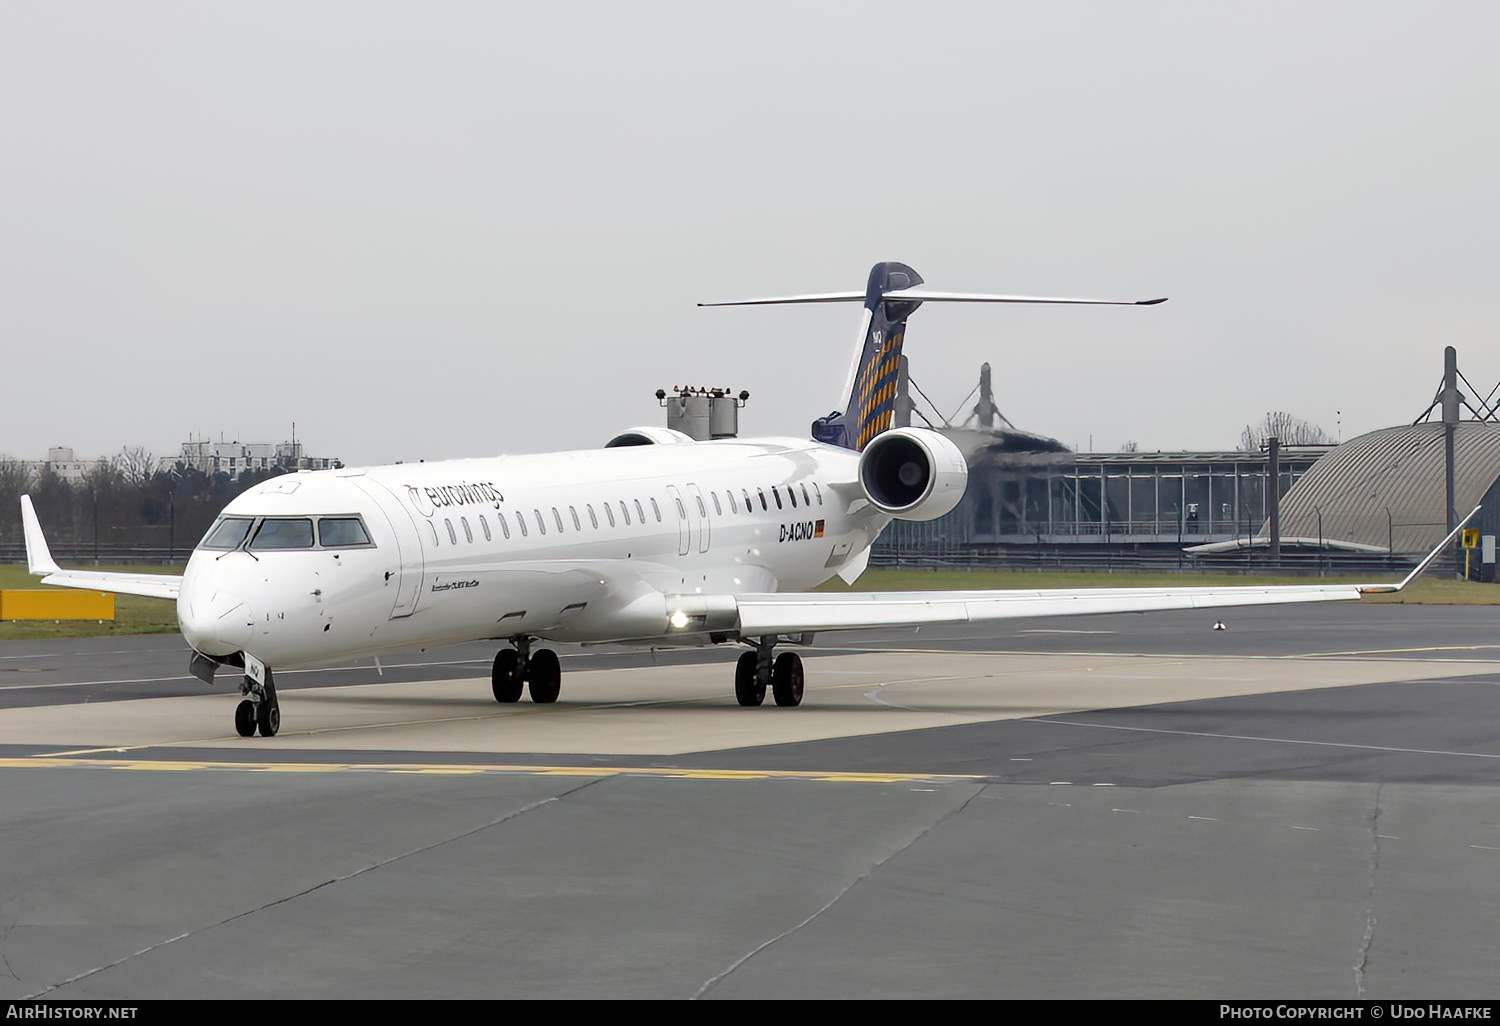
x=1382 y=495
x=1062 y=499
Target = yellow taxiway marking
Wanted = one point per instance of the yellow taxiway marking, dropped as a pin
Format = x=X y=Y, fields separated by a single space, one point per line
x=439 y=769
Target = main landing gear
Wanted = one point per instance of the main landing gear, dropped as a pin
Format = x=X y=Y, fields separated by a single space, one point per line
x=539 y=671
x=259 y=710
x=759 y=668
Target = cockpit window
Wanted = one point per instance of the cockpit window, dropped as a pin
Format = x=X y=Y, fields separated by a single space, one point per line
x=341 y=532
x=289 y=533
x=228 y=533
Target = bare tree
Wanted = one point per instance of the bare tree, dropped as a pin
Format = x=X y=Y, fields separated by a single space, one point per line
x=1291 y=430
x=15 y=479
x=135 y=464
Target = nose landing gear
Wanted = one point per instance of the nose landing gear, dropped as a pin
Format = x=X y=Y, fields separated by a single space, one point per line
x=540 y=672
x=260 y=709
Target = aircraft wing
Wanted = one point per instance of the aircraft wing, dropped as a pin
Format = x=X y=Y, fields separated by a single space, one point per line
x=792 y=613
x=809 y=612
x=39 y=561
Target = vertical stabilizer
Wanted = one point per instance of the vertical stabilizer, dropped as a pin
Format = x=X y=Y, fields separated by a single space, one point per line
x=869 y=398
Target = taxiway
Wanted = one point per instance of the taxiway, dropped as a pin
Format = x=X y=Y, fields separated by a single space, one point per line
x=1301 y=806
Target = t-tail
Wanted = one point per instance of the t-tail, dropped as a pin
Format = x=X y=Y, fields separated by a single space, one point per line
x=870 y=392
x=891 y=296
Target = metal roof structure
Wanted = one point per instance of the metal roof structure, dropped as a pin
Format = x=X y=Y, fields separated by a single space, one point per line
x=1386 y=489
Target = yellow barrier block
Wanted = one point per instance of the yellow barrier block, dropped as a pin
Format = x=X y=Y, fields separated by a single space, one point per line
x=56 y=605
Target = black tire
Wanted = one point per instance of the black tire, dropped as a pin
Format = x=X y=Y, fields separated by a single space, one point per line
x=505 y=678
x=268 y=718
x=747 y=689
x=544 y=676
x=786 y=679
x=244 y=718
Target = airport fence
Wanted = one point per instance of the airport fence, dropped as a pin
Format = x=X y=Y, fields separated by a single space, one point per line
x=103 y=555
x=1107 y=561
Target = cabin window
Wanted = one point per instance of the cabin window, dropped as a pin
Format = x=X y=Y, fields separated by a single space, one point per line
x=541 y=525
x=289 y=533
x=640 y=514
x=557 y=517
x=341 y=532
x=804 y=494
x=791 y=494
x=504 y=526
x=228 y=533
x=433 y=528
x=577 y=524
x=452 y=535
x=776 y=494
x=609 y=514
x=521 y=521
x=484 y=525
x=733 y=508
x=718 y=510
x=468 y=534
x=681 y=509
x=593 y=519
x=748 y=507
x=763 y=503
x=625 y=512
x=819 y=492
x=702 y=510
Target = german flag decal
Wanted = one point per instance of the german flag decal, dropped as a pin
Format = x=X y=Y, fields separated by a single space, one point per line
x=818 y=529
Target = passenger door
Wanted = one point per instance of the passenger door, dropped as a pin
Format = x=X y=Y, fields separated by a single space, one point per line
x=409 y=562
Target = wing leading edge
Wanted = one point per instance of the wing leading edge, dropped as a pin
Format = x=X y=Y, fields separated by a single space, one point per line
x=830 y=611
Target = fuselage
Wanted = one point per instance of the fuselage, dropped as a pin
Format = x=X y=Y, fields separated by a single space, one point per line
x=596 y=545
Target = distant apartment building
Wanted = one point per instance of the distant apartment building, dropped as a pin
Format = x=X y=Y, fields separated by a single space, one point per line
x=236 y=458
x=62 y=462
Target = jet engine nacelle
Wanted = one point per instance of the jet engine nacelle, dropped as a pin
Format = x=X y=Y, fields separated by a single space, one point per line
x=648 y=436
x=913 y=473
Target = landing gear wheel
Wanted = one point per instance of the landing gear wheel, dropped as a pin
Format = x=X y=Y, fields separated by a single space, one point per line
x=544 y=676
x=786 y=679
x=505 y=677
x=748 y=689
x=268 y=718
x=244 y=718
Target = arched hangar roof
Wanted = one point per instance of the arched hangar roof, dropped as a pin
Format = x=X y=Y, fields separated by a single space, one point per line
x=1388 y=488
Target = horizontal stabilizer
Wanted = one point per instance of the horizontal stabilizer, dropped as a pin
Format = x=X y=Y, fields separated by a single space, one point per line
x=923 y=296
x=893 y=292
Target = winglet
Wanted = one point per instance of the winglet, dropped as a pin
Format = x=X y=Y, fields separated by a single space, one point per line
x=38 y=559
x=1370 y=589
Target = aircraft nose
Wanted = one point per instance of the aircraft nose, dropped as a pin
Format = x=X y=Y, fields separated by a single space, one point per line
x=216 y=624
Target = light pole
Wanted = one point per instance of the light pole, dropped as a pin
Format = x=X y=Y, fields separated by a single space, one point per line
x=1319 y=512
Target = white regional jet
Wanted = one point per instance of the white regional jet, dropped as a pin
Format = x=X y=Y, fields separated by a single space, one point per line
x=655 y=539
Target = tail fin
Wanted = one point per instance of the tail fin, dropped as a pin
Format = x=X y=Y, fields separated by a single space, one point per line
x=890 y=297
x=870 y=391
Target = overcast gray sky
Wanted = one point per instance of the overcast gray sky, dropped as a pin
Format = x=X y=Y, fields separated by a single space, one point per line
x=442 y=229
